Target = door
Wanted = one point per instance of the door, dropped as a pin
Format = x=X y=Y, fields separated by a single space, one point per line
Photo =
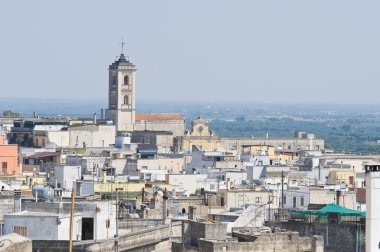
x=87 y=228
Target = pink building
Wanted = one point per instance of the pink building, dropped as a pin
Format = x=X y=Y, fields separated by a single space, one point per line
x=8 y=158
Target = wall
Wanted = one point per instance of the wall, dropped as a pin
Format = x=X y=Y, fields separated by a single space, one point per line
x=208 y=143
x=99 y=210
x=66 y=175
x=60 y=138
x=175 y=126
x=187 y=181
x=9 y=155
x=92 y=135
x=195 y=230
x=38 y=227
x=290 y=194
x=325 y=196
x=234 y=198
x=294 y=143
x=6 y=206
x=176 y=165
x=337 y=237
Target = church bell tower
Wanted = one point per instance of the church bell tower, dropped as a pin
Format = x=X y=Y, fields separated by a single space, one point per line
x=122 y=92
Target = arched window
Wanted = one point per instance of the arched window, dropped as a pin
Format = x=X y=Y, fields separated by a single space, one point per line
x=126 y=80
x=126 y=99
x=114 y=81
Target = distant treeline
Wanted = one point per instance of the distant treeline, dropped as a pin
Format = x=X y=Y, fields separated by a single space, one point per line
x=351 y=135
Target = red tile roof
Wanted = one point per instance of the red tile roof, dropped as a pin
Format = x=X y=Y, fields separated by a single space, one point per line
x=158 y=117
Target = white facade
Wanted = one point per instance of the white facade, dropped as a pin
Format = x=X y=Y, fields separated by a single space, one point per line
x=296 y=197
x=92 y=136
x=41 y=221
x=65 y=175
x=189 y=182
x=42 y=226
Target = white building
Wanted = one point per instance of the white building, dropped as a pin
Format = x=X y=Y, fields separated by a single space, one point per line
x=65 y=175
x=50 y=221
x=92 y=135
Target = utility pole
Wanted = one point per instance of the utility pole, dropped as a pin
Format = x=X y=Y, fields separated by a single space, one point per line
x=71 y=220
x=282 y=189
x=117 y=219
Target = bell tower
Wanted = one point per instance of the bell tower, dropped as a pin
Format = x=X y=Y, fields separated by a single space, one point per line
x=121 y=93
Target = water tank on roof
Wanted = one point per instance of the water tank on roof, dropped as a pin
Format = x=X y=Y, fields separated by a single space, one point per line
x=42 y=192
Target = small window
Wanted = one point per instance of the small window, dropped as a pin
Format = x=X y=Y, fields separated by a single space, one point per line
x=4 y=166
x=37 y=142
x=284 y=199
x=302 y=201
x=126 y=99
x=294 y=202
x=126 y=80
x=21 y=230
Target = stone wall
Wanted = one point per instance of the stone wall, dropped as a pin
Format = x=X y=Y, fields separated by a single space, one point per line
x=337 y=237
x=195 y=230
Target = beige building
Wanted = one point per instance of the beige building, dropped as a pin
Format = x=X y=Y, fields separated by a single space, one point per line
x=299 y=142
x=238 y=197
x=200 y=136
x=174 y=123
x=326 y=196
x=339 y=176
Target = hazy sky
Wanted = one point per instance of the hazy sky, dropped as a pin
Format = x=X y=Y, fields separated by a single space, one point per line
x=250 y=51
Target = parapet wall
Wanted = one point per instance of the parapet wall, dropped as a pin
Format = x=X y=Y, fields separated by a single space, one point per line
x=337 y=237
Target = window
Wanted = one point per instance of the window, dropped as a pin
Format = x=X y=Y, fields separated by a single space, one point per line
x=37 y=142
x=126 y=99
x=284 y=199
x=43 y=142
x=4 y=167
x=294 y=202
x=302 y=201
x=21 y=230
x=126 y=80
x=114 y=80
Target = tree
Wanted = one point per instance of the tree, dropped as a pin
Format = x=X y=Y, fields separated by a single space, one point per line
x=10 y=114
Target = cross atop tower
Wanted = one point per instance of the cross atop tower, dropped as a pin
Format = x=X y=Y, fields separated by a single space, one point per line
x=122 y=45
